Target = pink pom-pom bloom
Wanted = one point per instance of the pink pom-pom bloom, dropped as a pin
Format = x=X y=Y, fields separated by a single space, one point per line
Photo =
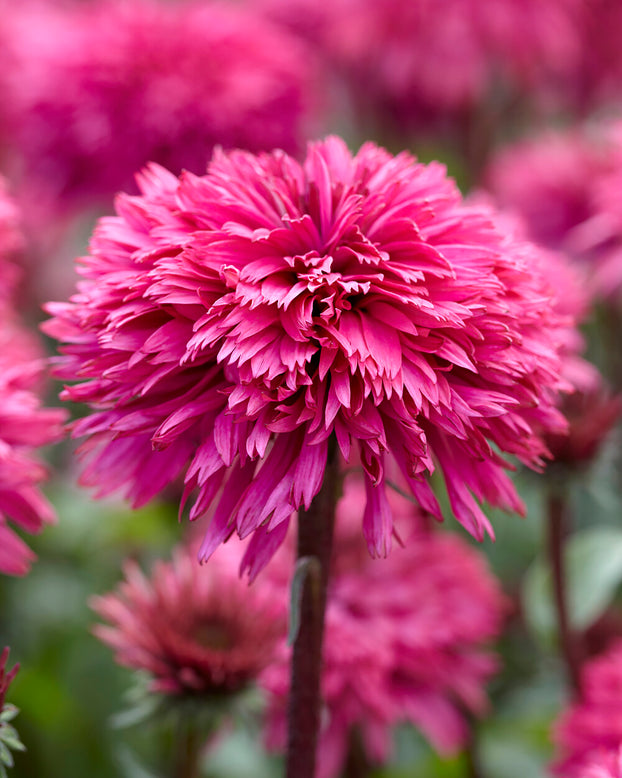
x=404 y=640
x=195 y=630
x=591 y=728
x=566 y=186
x=96 y=90
x=229 y=325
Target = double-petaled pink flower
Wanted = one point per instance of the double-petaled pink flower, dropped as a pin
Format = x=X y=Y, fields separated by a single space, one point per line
x=404 y=642
x=227 y=326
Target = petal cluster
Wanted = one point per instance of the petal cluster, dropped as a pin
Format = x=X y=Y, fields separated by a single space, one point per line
x=195 y=630
x=229 y=325
x=404 y=640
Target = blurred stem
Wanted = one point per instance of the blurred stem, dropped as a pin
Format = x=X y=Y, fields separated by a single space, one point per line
x=357 y=764
x=188 y=749
x=315 y=539
x=557 y=533
x=471 y=757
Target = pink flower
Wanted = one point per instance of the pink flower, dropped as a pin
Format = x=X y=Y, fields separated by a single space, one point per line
x=24 y=424
x=602 y=764
x=403 y=642
x=195 y=630
x=96 y=90
x=228 y=325
x=24 y=427
x=593 y=725
x=425 y=62
x=566 y=186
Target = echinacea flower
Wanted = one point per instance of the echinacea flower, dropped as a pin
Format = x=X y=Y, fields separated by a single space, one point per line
x=592 y=726
x=404 y=640
x=228 y=325
x=195 y=630
x=95 y=90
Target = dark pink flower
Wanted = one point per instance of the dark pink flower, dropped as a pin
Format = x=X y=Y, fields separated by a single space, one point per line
x=593 y=725
x=592 y=415
x=566 y=186
x=403 y=642
x=228 y=325
x=96 y=90
x=195 y=630
x=24 y=427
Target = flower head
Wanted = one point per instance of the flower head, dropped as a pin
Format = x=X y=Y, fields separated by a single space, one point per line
x=403 y=642
x=229 y=325
x=592 y=727
x=94 y=91
x=195 y=630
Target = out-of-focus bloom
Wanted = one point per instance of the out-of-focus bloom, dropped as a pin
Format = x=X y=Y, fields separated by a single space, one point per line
x=24 y=427
x=591 y=417
x=566 y=186
x=403 y=642
x=24 y=424
x=228 y=325
x=422 y=62
x=96 y=90
x=592 y=726
x=196 y=630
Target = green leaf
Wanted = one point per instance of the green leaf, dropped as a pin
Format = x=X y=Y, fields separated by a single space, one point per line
x=593 y=561
x=9 y=712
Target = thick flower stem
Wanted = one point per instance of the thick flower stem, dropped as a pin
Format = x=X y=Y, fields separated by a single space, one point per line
x=567 y=641
x=357 y=764
x=315 y=538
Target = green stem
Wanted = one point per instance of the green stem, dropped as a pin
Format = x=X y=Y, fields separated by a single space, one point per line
x=315 y=538
x=188 y=750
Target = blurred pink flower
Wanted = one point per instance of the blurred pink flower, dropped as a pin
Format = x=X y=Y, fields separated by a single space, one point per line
x=197 y=630
x=96 y=90
x=423 y=62
x=24 y=427
x=602 y=764
x=228 y=325
x=403 y=642
x=24 y=424
x=566 y=186
x=592 y=726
